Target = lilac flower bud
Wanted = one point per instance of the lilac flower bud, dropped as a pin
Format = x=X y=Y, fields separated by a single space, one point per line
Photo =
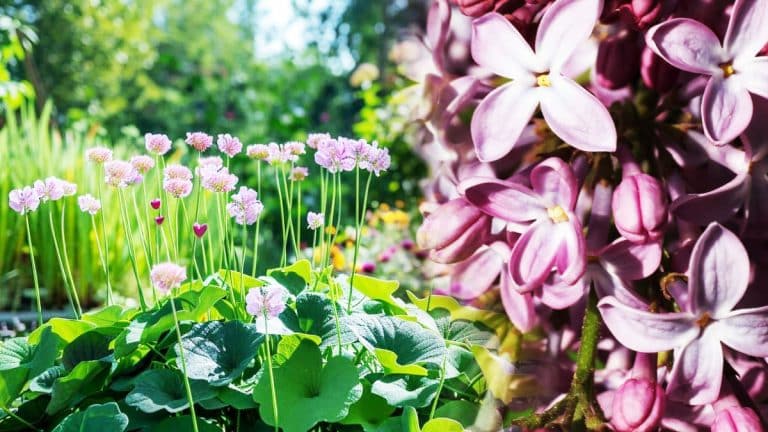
x=638 y=405
x=640 y=208
x=640 y=14
x=736 y=419
x=454 y=230
x=657 y=74
x=199 y=229
x=618 y=58
x=155 y=203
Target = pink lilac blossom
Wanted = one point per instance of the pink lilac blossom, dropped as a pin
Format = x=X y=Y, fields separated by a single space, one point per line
x=167 y=276
x=89 y=204
x=200 y=141
x=245 y=206
x=315 y=220
x=158 y=144
x=98 y=155
x=142 y=163
x=269 y=300
x=218 y=180
x=229 y=145
x=23 y=200
x=120 y=174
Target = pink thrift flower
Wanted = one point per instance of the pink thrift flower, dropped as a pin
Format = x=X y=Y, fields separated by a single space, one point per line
x=573 y=114
x=266 y=300
x=718 y=276
x=277 y=154
x=295 y=148
x=142 y=163
x=177 y=187
x=378 y=160
x=315 y=138
x=257 y=151
x=219 y=180
x=734 y=68
x=98 y=155
x=200 y=141
x=51 y=188
x=244 y=206
x=23 y=200
x=229 y=145
x=299 y=174
x=315 y=220
x=158 y=144
x=214 y=162
x=335 y=155
x=167 y=276
x=89 y=204
x=120 y=174
x=176 y=171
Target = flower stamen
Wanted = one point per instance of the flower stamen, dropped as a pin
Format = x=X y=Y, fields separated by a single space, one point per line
x=543 y=80
x=557 y=214
x=728 y=69
x=704 y=320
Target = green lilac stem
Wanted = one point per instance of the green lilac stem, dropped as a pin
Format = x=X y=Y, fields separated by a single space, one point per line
x=61 y=263
x=34 y=272
x=271 y=373
x=66 y=263
x=98 y=246
x=187 y=387
x=129 y=237
x=329 y=217
x=242 y=262
x=194 y=237
x=283 y=257
x=439 y=388
x=147 y=220
x=106 y=241
x=360 y=218
x=258 y=223
x=298 y=218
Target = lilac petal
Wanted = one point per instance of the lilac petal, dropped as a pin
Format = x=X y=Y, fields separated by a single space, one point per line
x=519 y=307
x=577 y=116
x=726 y=109
x=645 y=331
x=500 y=48
x=755 y=137
x=465 y=245
x=748 y=28
x=503 y=199
x=698 y=371
x=630 y=260
x=687 y=44
x=558 y=294
x=716 y=205
x=533 y=256
x=500 y=119
x=745 y=330
x=571 y=256
x=608 y=284
x=718 y=273
x=678 y=288
x=438 y=24
x=553 y=179
x=600 y=218
x=755 y=76
x=475 y=275
x=563 y=28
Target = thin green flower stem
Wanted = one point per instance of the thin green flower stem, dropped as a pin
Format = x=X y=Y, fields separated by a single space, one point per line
x=187 y=387
x=329 y=217
x=283 y=257
x=258 y=223
x=222 y=234
x=338 y=325
x=18 y=419
x=242 y=262
x=106 y=238
x=271 y=373
x=359 y=219
x=194 y=237
x=210 y=257
x=154 y=258
x=98 y=245
x=34 y=272
x=198 y=191
x=161 y=230
x=289 y=210
x=298 y=218
x=66 y=262
x=314 y=244
x=165 y=202
x=144 y=241
x=439 y=388
x=56 y=248
x=224 y=228
x=131 y=255
x=323 y=205
x=338 y=211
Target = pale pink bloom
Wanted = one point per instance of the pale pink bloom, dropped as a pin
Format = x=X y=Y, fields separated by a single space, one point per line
x=538 y=80
x=142 y=163
x=335 y=155
x=51 y=188
x=734 y=68
x=178 y=187
x=23 y=200
x=176 y=171
x=245 y=206
x=257 y=151
x=219 y=180
x=158 y=144
x=208 y=164
x=167 y=276
x=277 y=154
x=378 y=160
x=200 y=141
x=120 y=174
x=229 y=145
x=68 y=188
x=299 y=173
x=98 y=155
x=315 y=138
x=266 y=300
x=89 y=204
x=295 y=148
x=315 y=220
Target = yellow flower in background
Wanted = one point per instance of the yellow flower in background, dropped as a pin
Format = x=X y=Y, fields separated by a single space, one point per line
x=365 y=73
x=396 y=217
x=337 y=258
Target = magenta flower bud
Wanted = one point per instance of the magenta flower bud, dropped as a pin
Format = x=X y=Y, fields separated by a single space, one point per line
x=640 y=14
x=454 y=230
x=736 y=419
x=368 y=267
x=618 y=59
x=155 y=203
x=657 y=74
x=159 y=220
x=640 y=208
x=407 y=244
x=199 y=229
x=638 y=405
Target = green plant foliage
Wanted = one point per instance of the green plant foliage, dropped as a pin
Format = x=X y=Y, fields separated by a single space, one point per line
x=163 y=389
x=106 y=417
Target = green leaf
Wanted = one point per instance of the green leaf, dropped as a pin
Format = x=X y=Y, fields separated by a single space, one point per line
x=288 y=345
x=462 y=331
x=183 y=423
x=234 y=278
x=498 y=372
x=11 y=383
x=85 y=379
x=66 y=329
x=163 y=389
x=388 y=360
x=43 y=383
x=369 y=412
x=381 y=290
x=46 y=352
x=442 y=425
x=219 y=352
x=307 y=391
x=105 y=317
x=315 y=312
x=106 y=417
x=460 y=312
x=294 y=277
x=91 y=345
x=15 y=352
x=410 y=420
x=462 y=411
x=236 y=398
x=408 y=390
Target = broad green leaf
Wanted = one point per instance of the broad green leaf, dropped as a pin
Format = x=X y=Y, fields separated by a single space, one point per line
x=381 y=290
x=460 y=362
x=234 y=279
x=236 y=398
x=106 y=417
x=406 y=390
x=288 y=345
x=218 y=352
x=316 y=316
x=85 y=379
x=91 y=345
x=11 y=383
x=183 y=424
x=66 y=329
x=32 y=411
x=369 y=412
x=105 y=317
x=15 y=352
x=294 y=277
x=43 y=383
x=462 y=411
x=163 y=389
x=46 y=352
x=388 y=360
x=307 y=391
x=462 y=331
x=410 y=420
x=442 y=425
x=460 y=312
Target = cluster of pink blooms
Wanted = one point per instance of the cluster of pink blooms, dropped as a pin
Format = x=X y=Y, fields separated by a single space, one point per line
x=167 y=276
x=244 y=206
x=121 y=174
x=177 y=180
x=345 y=154
x=617 y=148
x=28 y=198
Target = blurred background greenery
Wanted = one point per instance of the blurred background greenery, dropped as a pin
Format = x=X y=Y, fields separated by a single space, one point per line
x=79 y=73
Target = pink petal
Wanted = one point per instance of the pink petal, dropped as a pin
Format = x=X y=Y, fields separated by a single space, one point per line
x=499 y=47
x=564 y=26
x=630 y=260
x=519 y=307
x=748 y=28
x=558 y=294
x=754 y=76
x=572 y=255
x=687 y=44
x=608 y=284
x=716 y=205
x=533 y=256
x=475 y=275
x=756 y=136
x=718 y=273
x=438 y=24
x=577 y=116
x=503 y=199
x=499 y=120
x=553 y=179
x=645 y=331
x=600 y=218
x=745 y=330
x=698 y=370
x=726 y=109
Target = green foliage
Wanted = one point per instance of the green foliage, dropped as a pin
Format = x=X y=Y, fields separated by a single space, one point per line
x=106 y=417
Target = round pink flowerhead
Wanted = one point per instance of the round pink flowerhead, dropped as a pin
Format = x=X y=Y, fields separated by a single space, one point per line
x=51 y=188
x=315 y=220
x=89 y=204
x=158 y=144
x=179 y=188
x=299 y=173
x=120 y=174
x=142 y=163
x=258 y=151
x=277 y=154
x=229 y=145
x=167 y=276
x=295 y=149
x=378 y=160
x=245 y=206
x=176 y=171
x=23 y=200
x=315 y=138
x=200 y=141
x=266 y=300
x=98 y=155
x=218 y=180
